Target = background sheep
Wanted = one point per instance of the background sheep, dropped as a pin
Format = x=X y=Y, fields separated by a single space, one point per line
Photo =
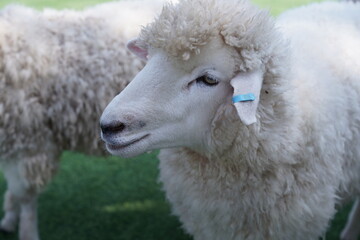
x=273 y=166
x=58 y=70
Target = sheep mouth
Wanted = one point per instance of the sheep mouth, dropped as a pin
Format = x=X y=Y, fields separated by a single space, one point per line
x=122 y=145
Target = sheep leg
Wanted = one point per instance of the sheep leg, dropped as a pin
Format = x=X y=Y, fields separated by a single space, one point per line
x=352 y=228
x=28 y=229
x=20 y=203
x=12 y=211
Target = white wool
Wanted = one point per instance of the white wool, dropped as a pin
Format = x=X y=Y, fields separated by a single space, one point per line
x=137 y=13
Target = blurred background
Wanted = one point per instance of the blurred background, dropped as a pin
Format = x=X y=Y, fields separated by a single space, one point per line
x=276 y=6
x=109 y=198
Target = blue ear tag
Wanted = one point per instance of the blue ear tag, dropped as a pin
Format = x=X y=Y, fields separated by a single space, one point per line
x=243 y=98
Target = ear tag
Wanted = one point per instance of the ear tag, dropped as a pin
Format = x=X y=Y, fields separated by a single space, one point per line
x=247 y=86
x=244 y=98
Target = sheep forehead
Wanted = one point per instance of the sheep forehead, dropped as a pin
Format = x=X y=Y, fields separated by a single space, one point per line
x=182 y=29
x=215 y=56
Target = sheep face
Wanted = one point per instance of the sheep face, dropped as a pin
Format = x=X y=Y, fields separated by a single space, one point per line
x=200 y=53
x=171 y=102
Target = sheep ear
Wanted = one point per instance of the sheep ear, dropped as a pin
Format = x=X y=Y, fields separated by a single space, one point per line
x=246 y=96
x=137 y=50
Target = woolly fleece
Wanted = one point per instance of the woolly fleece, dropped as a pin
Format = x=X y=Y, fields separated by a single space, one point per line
x=58 y=71
x=281 y=177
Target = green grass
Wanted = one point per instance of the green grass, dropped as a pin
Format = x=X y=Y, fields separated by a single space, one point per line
x=278 y=6
x=60 y=4
x=96 y=198
x=109 y=198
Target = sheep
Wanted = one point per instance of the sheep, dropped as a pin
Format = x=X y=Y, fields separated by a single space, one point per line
x=58 y=70
x=257 y=119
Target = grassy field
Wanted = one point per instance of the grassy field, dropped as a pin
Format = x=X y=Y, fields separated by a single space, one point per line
x=110 y=198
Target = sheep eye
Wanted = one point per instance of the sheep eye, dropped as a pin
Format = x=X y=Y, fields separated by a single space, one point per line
x=207 y=80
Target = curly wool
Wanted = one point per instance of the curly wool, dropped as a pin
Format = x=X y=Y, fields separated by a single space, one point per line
x=171 y=33
x=58 y=70
x=281 y=177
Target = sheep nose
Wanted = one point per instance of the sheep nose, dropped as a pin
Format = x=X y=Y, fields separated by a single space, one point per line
x=112 y=128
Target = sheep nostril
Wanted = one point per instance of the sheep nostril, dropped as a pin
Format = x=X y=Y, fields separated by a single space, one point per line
x=112 y=128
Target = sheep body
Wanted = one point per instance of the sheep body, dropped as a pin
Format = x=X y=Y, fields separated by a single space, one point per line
x=58 y=70
x=49 y=58
x=279 y=178
x=341 y=87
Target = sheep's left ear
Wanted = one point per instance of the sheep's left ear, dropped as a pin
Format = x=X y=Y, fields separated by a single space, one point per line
x=246 y=96
x=134 y=47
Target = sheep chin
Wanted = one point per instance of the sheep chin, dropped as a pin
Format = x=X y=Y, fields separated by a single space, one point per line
x=129 y=148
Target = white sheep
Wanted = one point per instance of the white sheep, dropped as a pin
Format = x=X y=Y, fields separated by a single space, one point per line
x=276 y=162
x=58 y=70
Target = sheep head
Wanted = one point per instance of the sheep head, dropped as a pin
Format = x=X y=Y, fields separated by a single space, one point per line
x=196 y=65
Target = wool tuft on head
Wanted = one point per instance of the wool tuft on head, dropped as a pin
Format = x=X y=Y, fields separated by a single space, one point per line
x=243 y=27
